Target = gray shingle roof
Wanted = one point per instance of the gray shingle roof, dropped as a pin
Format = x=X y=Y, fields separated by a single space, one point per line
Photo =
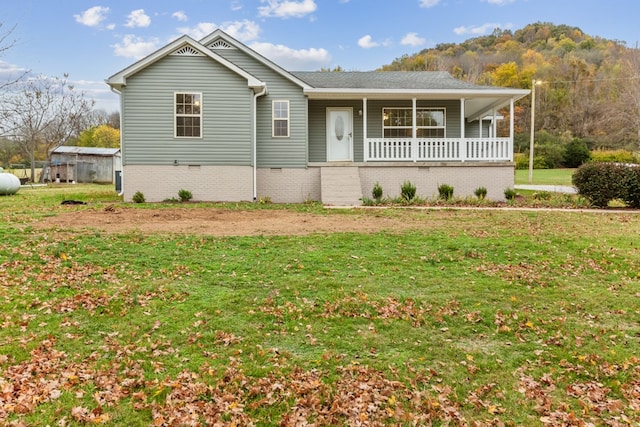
x=437 y=80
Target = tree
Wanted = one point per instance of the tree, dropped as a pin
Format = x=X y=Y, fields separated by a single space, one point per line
x=42 y=114
x=5 y=44
x=99 y=136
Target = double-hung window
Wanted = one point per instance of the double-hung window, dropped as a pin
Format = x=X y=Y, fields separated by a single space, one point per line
x=188 y=115
x=280 y=117
x=398 y=122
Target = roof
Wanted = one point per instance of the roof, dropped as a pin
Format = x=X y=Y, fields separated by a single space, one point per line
x=479 y=100
x=86 y=151
x=384 y=80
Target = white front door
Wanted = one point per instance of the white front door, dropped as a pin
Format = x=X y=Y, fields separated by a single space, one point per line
x=339 y=134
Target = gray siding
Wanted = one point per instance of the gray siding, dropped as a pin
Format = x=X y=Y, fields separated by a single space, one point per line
x=318 y=129
x=276 y=152
x=148 y=114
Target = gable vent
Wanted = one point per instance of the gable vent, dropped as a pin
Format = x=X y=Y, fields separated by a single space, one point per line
x=186 y=51
x=220 y=44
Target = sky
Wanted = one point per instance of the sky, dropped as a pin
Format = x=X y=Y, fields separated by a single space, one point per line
x=92 y=40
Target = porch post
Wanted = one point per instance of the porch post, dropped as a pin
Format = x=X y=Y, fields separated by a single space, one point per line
x=365 y=151
x=511 y=129
x=414 y=131
x=463 y=142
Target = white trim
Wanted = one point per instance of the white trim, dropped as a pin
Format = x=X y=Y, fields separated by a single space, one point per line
x=219 y=34
x=175 y=115
x=274 y=118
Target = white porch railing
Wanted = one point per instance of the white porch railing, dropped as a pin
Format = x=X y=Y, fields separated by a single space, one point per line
x=438 y=149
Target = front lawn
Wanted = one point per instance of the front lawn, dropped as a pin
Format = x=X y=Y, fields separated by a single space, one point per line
x=470 y=318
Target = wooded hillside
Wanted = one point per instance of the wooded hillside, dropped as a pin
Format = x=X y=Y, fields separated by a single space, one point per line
x=589 y=86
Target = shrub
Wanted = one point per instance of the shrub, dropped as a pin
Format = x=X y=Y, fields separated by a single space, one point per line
x=542 y=195
x=138 y=197
x=599 y=182
x=576 y=153
x=480 y=192
x=616 y=156
x=630 y=186
x=185 y=195
x=445 y=191
x=408 y=191
x=377 y=192
x=521 y=160
x=510 y=193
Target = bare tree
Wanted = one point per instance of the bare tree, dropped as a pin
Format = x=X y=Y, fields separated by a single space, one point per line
x=43 y=113
x=7 y=43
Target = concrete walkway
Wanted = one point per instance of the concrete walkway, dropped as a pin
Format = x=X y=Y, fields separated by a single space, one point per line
x=550 y=188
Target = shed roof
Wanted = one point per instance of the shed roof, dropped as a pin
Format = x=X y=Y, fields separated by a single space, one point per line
x=86 y=151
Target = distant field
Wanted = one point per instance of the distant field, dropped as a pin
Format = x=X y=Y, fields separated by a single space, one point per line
x=545 y=176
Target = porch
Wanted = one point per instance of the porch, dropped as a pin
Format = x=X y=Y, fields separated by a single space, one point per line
x=438 y=149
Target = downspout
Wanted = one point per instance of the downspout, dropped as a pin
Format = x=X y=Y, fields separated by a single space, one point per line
x=117 y=92
x=255 y=141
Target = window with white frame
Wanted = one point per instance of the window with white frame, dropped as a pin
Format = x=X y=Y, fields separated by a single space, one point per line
x=397 y=122
x=280 y=118
x=188 y=114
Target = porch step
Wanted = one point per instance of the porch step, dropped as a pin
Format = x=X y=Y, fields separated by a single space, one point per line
x=340 y=186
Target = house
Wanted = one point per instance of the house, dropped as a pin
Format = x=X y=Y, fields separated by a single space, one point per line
x=84 y=164
x=218 y=119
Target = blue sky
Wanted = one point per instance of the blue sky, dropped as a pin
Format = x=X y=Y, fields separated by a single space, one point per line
x=91 y=40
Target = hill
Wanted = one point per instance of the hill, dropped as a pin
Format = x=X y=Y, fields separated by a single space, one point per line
x=590 y=87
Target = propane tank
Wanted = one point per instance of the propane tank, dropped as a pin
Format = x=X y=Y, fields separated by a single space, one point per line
x=9 y=183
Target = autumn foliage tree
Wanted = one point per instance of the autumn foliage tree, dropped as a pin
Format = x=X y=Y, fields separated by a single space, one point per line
x=591 y=85
x=99 y=136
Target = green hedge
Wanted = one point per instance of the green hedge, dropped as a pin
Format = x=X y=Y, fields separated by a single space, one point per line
x=601 y=183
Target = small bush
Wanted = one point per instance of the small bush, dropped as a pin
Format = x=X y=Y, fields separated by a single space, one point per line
x=630 y=186
x=480 y=192
x=445 y=191
x=377 y=192
x=138 y=197
x=185 y=195
x=542 y=195
x=599 y=182
x=408 y=191
x=266 y=200
x=510 y=193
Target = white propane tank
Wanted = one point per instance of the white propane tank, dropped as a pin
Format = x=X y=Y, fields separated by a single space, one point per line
x=9 y=183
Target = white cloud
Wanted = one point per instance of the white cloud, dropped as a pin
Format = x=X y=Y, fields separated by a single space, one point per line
x=93 y=16
x=135 y=47
x=365 y=42
x=236 y=5
x=429 y=3
x=287 y=8
x=242 y=30
x=291 y=59
x=476 y=30
x=138 y=18
x=180 y=16
x=412 y=39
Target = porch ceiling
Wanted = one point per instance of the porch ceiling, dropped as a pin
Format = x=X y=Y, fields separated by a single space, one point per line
x=478 y=104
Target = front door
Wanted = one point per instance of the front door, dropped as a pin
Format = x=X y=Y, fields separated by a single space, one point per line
x=339 y=134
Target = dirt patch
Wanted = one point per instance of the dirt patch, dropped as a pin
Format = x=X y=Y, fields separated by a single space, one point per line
x=223 y=222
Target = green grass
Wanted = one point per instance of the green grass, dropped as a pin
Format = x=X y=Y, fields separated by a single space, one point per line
x=490 y=317
x=545 y=176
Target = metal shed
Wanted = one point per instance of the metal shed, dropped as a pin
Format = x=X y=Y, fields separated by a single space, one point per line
x=85 y=164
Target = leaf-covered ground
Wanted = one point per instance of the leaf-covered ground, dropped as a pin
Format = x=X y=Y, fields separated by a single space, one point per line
x=465 y=318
